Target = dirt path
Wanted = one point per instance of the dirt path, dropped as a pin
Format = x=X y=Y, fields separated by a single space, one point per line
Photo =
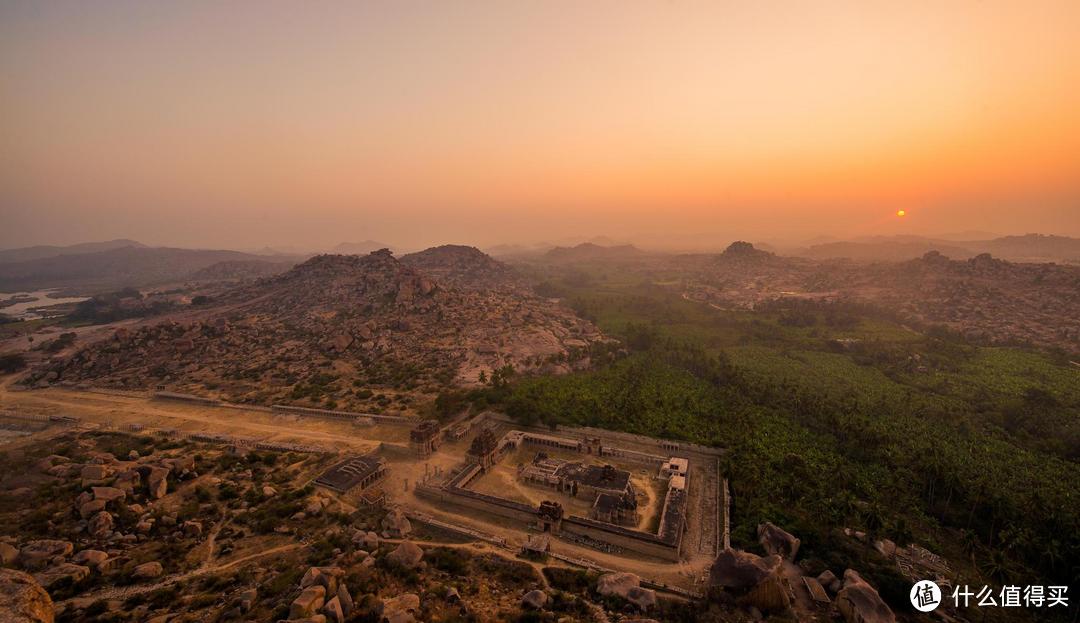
x=116 y=409
x=213 y=537
x=124 y=592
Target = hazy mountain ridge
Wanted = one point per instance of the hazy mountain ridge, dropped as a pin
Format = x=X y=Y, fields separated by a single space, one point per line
x=588 y=251
x=115 y=268
x=25 y=254
x=231 y=270
x=1026 y=248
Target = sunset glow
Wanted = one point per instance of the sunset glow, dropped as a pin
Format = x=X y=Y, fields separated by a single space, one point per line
x=288 y=122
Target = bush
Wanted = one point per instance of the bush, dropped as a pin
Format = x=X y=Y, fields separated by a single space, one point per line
x=12 y=362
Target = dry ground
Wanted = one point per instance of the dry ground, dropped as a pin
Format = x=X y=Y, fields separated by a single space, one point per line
x=117 y=410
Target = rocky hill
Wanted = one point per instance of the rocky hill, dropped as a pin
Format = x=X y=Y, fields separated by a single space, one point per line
x=588 y=251
x=740 y=252
x=462 y=266
x=332 y=328
x=236 y=270
x=986 y=298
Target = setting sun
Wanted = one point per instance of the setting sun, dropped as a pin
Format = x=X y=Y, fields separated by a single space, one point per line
x=901 y=213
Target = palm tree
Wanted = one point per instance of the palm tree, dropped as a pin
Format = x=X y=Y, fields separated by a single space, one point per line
x=1052 y=553
x=970 y=542
x=997 y=566
x=873 y=519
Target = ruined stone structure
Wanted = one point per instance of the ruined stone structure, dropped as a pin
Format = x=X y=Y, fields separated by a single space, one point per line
x=614 y=498
x=354 y=477
x=613 y=509
x=484 y=448
x=577 y=479
x=550 y=516
x=424 y=438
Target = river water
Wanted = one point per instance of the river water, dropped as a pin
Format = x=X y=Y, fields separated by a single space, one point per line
x=28 y=310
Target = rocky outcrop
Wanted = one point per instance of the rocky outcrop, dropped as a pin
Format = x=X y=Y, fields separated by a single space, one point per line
x=23 y=600
x=66 y=572
x=39 y=554
x=830 y=582
x=90 y=508
x=148 y=570
x=95 y=473
x=778 y=541
x=742 y=570
x=768 y=596
x=396 y=525
x=90 y=557
x=401 y=609
x=308 y=603
x=8 y=555
x=108 y=494
x=407 y=555
x=616 y=583
x=157 y=482
x=859 y=602
x=333 y=611
x=534 y=600
x=326 y=577
x=628 y=587
x=100 y=525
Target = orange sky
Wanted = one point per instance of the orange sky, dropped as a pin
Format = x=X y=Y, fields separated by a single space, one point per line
x=243 y=124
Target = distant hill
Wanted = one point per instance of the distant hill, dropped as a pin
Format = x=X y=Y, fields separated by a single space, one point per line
x=234 y=270
x=26 y=254
x=1027 y=248
x=462 y=266
x=112 y=269
x=744 y=252
x=587 y=251
x=1033 y=247
x=518 y=250
x=885 y=250
x=359 y=248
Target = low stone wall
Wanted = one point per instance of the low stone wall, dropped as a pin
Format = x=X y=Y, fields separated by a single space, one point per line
x=478 y=501
x=344 y=415
x=186 y=398
x=633 y=540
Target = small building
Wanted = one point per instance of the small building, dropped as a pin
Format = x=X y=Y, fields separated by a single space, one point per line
x=674 y=466
x=424 y=438
x=537 y=545
x=575 y=478
x=614 y=509
x=550 y=516
x=459 y=431
x=597 y=479
x=354 y=475
x=483 y=449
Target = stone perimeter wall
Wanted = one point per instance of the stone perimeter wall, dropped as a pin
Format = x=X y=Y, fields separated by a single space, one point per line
x=635 y=541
